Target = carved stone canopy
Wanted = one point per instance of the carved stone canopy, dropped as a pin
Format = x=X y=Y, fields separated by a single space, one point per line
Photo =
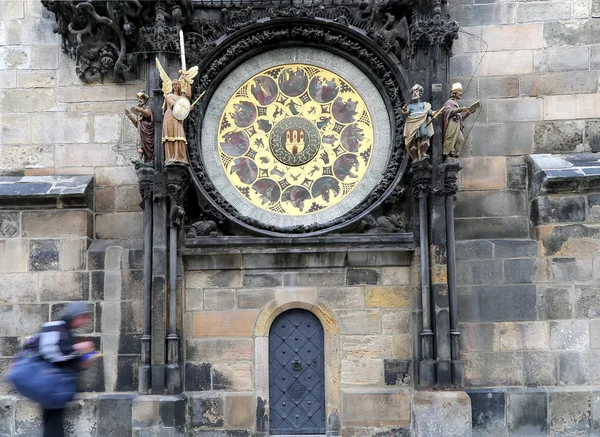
x=111 y=38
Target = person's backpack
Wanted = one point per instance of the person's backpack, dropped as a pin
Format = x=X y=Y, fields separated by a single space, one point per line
x=39 y=380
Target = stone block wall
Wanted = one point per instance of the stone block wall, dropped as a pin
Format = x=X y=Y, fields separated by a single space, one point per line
x=534 y=66
x=230 y=302
x=53 y=124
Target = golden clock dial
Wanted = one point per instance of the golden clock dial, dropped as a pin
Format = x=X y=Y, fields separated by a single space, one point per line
x=295 y=139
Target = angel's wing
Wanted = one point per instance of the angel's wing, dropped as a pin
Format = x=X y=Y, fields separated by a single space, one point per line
x=167 y=83
x=190 y=74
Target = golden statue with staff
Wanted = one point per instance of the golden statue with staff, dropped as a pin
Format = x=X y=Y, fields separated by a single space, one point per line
x=176 y=107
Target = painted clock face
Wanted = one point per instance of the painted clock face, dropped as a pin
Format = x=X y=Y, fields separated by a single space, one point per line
x=295 y=136
x=295 y=139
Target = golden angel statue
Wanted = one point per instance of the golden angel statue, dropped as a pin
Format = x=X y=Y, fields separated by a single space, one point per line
x=176 y=107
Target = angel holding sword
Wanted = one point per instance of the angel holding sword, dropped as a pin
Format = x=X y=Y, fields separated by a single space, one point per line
x=176 y=107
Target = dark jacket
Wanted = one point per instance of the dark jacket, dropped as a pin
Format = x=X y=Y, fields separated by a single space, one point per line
x=56 y=344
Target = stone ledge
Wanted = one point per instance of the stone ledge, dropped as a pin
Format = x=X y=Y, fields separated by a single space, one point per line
x=203 y=253
x=41 y=192
x=577 y=173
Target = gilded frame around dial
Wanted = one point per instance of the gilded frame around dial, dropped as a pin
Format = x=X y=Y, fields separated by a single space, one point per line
x=284 y=114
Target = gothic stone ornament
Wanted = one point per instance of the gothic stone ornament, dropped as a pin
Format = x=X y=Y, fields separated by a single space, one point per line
x=295 y=139
x=429 y=32
x=384 y=70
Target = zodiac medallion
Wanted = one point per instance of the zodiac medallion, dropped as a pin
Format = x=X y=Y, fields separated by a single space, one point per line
x=295 y=139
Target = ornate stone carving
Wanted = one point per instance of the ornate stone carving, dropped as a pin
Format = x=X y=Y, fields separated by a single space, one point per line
x=420 y=177
x=145 y=174
x=425 y=33
x=107 y=38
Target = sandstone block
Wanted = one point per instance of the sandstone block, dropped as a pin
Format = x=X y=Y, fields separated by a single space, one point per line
x=262 y=279
x=314 y=278
x=359 y=321
x=205 y=411
x=104 y=199
x=493 y=369
x=60 y=127
x=342 y=297
x=233 y=376
x=120 y=225
x=572 y=33
x=27 y=100
x=571 y=270
x=395 y=322
x=576 y=106
x=8 y=79
x=21 y=156
x=479 y=272
x=80 y=155
x=507 y=63
x=555 y=302
x=193 y=299
x=502 y=139
x=570 y=335
x=395 y=275
x=44 y=255
x=528 y=12
x=515 y=248
x=581 y=9
x=25 y=283
x=568 y=59
x=63 y=286
x=513 y=36
x=497 y=87
x=44 y=57
x=115 y=176
x=483 y=173
x=56 y=223
x=11 y=33
x=362 y=276
x=219 y=299
x=37 y=79
x=14 y=255
x=475 y=249
x=540 y=368
x=479 y=337
x=367 y=346
x=11 y=9
x=22 y=319
x=523 y=336
x=363 y=371
x=224 y=323
x=107 y=128
x=368 y=407
x=295 y=294
x=490 y=227
x=490 y=204
x=527 y=412
x=489 y=416
x=484 y=14
x=239 y=411
x=212 y=350
x=128 y=198
x=403 y=346
x=15 y=57
x=572 y=82
x=257 y=298
x=72 y=254
x=214 y=278
x=442 y=414
x=569 y=412
x=587 y=301
x=525 y=271
x=96 y=93
x=514 y=110
x=387 y=297
x=558 y=137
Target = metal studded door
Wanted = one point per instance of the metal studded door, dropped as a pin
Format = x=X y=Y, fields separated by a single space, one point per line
x=296 y=374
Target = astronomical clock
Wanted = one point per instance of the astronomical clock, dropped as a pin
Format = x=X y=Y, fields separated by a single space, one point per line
x=296 y=138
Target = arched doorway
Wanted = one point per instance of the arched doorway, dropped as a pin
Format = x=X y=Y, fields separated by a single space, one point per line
x=296 y=374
